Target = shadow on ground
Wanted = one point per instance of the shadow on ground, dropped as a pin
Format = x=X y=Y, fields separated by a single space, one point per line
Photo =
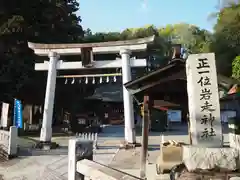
x=108 y=147
x=62 y=150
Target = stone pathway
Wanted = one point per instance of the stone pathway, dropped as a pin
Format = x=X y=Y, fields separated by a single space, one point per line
x=53 y=164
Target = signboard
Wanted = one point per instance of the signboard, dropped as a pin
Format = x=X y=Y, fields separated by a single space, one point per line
x=18 y=119
x=174 y=115
x=4 y=115
x=203 y=97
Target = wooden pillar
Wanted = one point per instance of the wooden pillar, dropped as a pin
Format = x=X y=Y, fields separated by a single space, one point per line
x=145 y=129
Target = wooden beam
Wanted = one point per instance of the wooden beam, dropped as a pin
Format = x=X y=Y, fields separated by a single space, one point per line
x=172 y=87
x=179 y=99
x=161 y=80
x=96 y=64
x=87 y=56
x=145 y=129
x=146 y=78
x=164 y=103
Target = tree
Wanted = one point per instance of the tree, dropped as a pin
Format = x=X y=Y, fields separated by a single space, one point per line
x=193 y=38
x=42 y=21
x=196 y=40
x=236 y=68
x=227 y=37
x=87 y=32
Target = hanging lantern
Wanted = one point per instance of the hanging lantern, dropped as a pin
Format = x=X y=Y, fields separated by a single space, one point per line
x=114 y=78
x=86 y=81
x=93 y=81
x=107 y=80
x=66 y=81
x=100 y=81
x=73 y=81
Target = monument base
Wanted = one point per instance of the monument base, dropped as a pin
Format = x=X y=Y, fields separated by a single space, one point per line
x=209 y=175
x=46 y=145
x=202 y=158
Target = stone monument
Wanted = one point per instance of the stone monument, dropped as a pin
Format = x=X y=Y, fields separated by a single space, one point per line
x=207 y=151
x=204 y=108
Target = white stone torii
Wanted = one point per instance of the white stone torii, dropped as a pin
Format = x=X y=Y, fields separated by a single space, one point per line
x=53 y=51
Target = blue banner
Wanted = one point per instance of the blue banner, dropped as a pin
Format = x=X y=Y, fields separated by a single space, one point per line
x=18 y=119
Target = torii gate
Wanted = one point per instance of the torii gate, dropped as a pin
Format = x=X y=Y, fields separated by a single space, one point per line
x=86 y=50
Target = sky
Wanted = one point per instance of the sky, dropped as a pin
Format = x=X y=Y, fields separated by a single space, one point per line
x=117 y=15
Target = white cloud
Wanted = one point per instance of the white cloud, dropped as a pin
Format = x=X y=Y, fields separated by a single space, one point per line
x=144 y=6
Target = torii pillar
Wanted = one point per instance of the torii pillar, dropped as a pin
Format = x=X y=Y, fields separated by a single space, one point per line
x=46 y=130
x=129 y=128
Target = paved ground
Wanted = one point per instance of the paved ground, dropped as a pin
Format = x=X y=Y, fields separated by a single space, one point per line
x=36 y=164
x=129 y=160
x=33 y=164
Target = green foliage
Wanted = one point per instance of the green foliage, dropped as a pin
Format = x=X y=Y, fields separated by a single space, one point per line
x=193 y=38
x=236 y=68
x=227 y=37
x=101 y=37
x=196 y=40
x=46 y=21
